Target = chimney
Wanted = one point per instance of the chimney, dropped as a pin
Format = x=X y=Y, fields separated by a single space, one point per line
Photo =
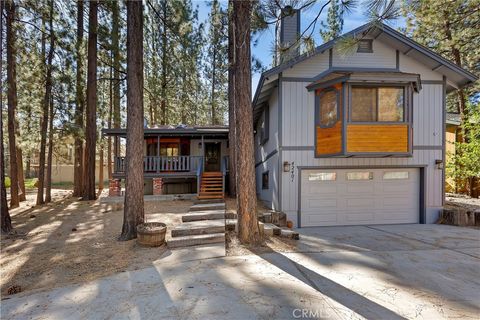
x=289 y=34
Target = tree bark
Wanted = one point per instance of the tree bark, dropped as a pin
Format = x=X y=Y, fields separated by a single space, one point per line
x=232 y=181
x=133 y=208
x=46 y=104
x=116 y=73
x=12 y=103
x=248 y=230
x=91 y=117
x=48 y=180
x=21 y=176
x=163 y=103
x=5 y=220
x=79 y=108
x=100 y=170
x=110 y=117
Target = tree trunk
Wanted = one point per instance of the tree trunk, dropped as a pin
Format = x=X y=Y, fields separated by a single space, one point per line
x=5 y=220
x=134 y=211
x=248 y=230
x=232 y=179
x=79 y=108
x=116 y=73
x=21 y=176
x=46 y=104
x=48 y=180
x=163 y=103
x=214 y=116
x=12 y=103
x=91 y=116
x=100 y=170
x=110 y=115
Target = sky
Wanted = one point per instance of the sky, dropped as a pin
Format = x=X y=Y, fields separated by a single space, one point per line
x=264 y=41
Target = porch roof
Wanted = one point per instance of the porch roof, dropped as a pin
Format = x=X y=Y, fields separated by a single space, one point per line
x=211 y=132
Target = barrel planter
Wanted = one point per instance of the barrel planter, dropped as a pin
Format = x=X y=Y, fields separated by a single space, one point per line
x=151 y=234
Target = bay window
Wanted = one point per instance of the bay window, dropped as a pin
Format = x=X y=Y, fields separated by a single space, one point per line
x=377 y=104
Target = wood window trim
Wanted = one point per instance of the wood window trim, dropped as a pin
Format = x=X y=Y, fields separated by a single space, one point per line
x=319 y=101
x=407 y=102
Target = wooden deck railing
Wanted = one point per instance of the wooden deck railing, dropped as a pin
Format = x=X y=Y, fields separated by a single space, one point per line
x=154 y=164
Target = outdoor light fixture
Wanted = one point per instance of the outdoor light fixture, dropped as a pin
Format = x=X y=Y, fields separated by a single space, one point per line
x=286 y=166
x=439 y=164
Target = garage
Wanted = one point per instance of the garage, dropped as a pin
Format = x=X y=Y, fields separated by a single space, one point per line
x=359 y=196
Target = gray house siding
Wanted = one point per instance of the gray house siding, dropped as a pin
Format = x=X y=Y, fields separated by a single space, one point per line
x=266 y=155
x=297 y=125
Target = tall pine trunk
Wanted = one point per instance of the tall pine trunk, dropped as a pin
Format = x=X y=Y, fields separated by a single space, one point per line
x=48 y=180
x=5 y=220
x=79 y=107
x=248 y=230
x=21 y=176
x=91 y=123
x=232 y=179
x=100 y=170
x=45 y=111
x=163 y=103
x=12 y=104
x=110 y=114
x=214 y=71
x=116 y=73
x=133 y=208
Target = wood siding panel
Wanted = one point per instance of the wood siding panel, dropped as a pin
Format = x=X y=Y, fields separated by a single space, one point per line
x=427 y=116
x=377 y=138
x=383 y=56
x=310 y=67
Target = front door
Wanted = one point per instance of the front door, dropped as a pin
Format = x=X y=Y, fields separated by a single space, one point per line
x=212 y=156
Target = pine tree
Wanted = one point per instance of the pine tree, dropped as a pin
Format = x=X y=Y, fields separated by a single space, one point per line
x=133 y=209
x=334 y=25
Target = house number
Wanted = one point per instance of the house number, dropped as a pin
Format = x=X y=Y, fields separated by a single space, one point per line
x=292 y=171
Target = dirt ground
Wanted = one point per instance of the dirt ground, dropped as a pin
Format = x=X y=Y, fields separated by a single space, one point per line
x=269 y=244
x=71 y=241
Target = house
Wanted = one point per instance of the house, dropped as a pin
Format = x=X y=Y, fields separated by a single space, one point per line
x=177 y=160
x=451 y=136
x=354 y=138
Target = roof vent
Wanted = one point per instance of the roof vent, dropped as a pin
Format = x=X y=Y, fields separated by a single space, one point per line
x=288 y=48
x=365 y=45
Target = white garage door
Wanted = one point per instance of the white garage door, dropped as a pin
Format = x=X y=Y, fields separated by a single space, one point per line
x=360 y=196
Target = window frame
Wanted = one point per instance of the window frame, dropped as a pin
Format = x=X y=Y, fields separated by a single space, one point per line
x=267 y=174
x=265 y=131
x=318 y=99
x=407 y=102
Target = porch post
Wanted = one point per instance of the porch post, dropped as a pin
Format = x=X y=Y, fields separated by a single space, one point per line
x=158 y=154
x=203 y=152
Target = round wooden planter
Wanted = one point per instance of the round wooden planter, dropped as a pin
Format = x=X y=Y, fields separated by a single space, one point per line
x=151 y=234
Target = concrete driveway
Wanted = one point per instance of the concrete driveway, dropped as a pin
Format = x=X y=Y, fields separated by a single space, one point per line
x=372 y=272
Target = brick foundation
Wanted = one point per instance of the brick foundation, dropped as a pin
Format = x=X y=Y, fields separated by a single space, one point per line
x=157 y=186
x=115 y=188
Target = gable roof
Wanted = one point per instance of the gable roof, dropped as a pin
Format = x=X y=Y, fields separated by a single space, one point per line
x=456 y=75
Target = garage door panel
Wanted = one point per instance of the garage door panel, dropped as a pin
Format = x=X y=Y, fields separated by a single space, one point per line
x=383 y=199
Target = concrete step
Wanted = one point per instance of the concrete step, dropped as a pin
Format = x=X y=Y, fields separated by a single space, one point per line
x=203 y=215
x=189 y=241
x=199 y=227
x=207 y=201
x=208 y=206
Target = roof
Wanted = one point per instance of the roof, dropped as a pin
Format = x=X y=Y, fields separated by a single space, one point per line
x=456 y=75
x=183 y=131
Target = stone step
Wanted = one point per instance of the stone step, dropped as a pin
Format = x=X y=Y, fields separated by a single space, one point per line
x=231 y=224
x=286 y=233
x=188 y=241
x=230 y=215
x=270 y=229
x=199 y=227
x=208 y=206
x=203 y=215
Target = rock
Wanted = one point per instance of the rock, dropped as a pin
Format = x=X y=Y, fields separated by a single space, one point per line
x=14 y=289
x=289 y=234
x=279 y=219
x=32 y=216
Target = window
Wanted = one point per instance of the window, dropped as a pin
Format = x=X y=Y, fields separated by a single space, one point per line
x=265 y=125
x=265 y=180
x=365 y=46
x=359 y=175
x=322 y=176
x=328 y=108
x=169 y=149
x=395 y=175
x=377 y=104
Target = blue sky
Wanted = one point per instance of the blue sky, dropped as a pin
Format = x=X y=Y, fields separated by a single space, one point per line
x=263 y=49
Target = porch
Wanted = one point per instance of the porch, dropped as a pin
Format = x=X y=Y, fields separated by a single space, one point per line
x=176 y=160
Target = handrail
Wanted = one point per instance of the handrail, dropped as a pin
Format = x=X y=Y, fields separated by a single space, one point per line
x=164 y=164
